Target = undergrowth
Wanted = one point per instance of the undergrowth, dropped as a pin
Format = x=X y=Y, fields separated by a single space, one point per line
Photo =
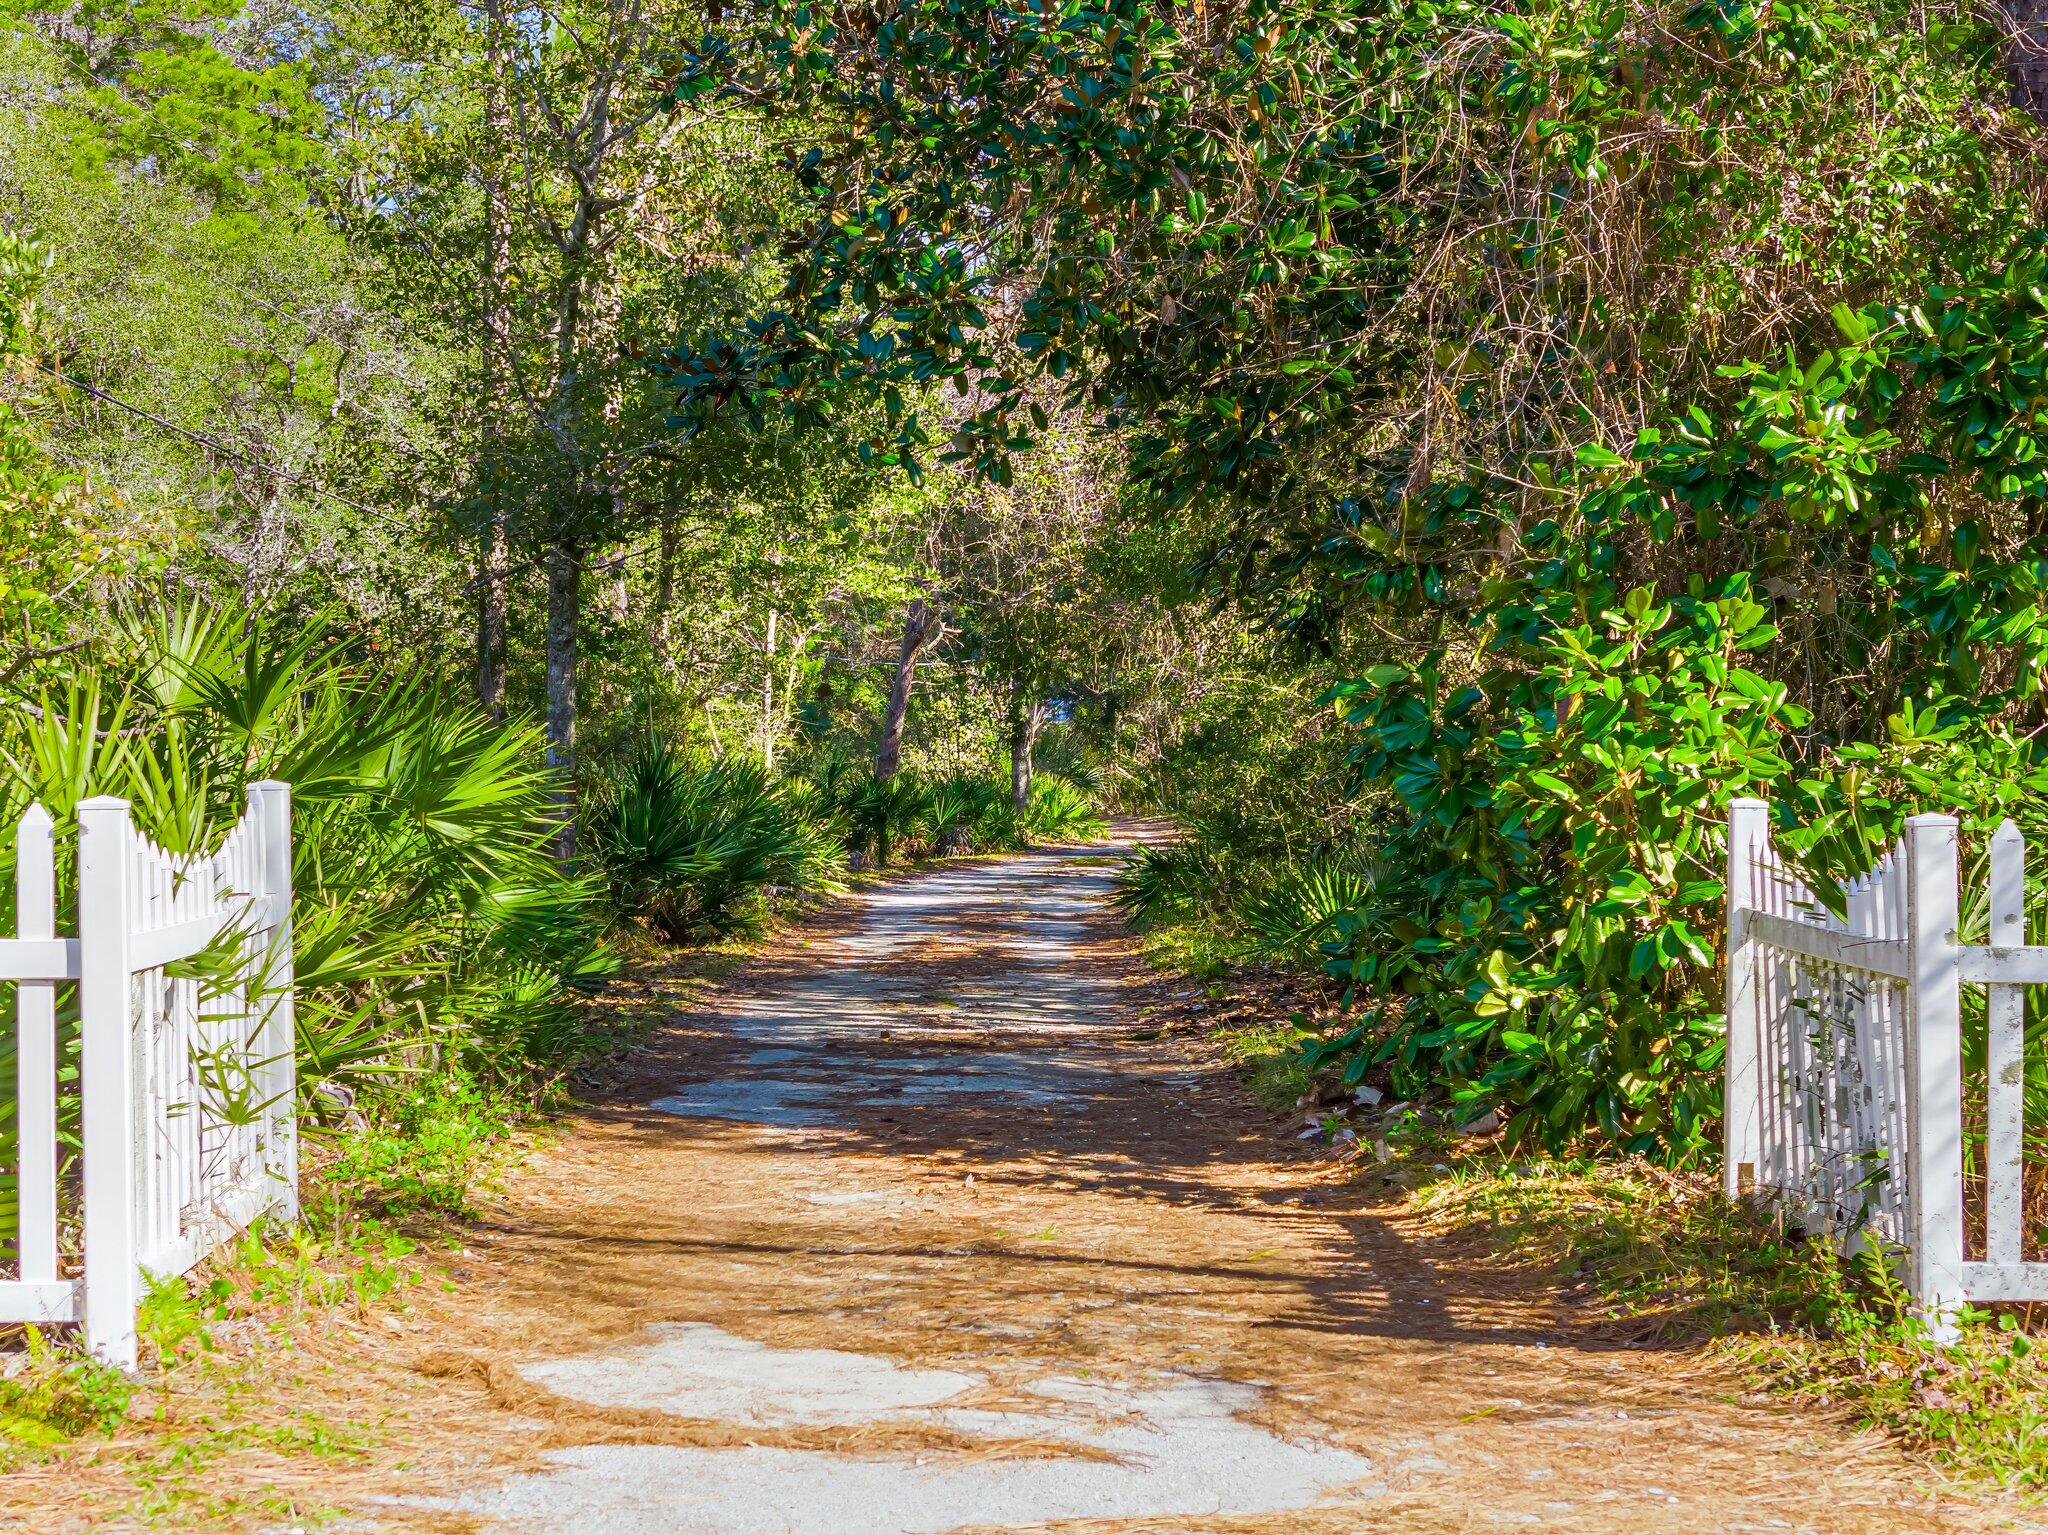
x=1196 y=949
x=1661 y=1256
x=424 y=1151
x=1666 y=1256
x=1269 y=1056
x=51 y=1394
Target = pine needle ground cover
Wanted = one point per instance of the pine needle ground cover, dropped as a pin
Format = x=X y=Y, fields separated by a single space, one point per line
x=1652 y=1257
x=1663 y=1257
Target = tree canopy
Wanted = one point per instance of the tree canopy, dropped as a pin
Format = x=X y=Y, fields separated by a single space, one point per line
x=1440 y=453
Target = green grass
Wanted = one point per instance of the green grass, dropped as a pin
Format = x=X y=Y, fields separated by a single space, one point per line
x=1269 y=1057
x=1190 y=947
x=1665 y=1253
x=54 y=1395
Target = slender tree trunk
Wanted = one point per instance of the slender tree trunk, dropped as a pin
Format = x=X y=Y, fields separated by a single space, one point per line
x=618 y=589
x=792 y=676
x=565 y=590
x=661 y=631
x=1027 y=717
x=494 y=562
x=768 y=699
x=493 y=559
x=920 y=624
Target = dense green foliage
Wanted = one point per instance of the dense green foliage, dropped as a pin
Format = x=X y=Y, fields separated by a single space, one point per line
x=1609 y=409
x=687 y=846
x=1441 y=454
x=428 y=916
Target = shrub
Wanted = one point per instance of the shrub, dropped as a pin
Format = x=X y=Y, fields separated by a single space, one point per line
x=428 y=912
x=692 y=849
x=1060 y=812
x=1160 y=882
x=432 y=930
x=959 y=818
x=1304 y=910
x=882 y=815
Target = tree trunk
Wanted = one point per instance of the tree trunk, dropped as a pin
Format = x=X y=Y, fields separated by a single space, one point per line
x=565 y=590
x=494 y=562
x=619 y=591
x=1027 y=717
x=793 y=676
x=2026 y=55
x=662 y=631
x=768 y=699
x=920 y=625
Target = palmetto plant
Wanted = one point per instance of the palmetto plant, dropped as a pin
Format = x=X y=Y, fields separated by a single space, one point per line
x=883 y=814
x=429 y=922
x=1162 y=880
x=957 y=815
x=690 y=848
x=1304 y=911
x=1060 y=812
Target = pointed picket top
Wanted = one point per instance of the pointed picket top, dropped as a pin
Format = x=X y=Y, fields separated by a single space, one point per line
x=35 y=818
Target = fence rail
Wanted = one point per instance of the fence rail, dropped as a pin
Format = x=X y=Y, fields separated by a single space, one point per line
x=186 y=1086
x=1844 y=1086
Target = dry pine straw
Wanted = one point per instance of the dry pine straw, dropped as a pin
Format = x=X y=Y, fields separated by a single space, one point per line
x=1172 y=1229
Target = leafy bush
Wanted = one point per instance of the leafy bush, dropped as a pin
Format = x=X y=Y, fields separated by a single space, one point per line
x=428 y=913
x=958 y=815
x=1170 y=880
x=693 y=848
x=882 y=815
x=1306 y=908
x=1542 y=790
x=432 y=930
x=1060 y=812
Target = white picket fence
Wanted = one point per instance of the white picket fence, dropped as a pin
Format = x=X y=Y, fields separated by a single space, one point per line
x=1844 y=1073
x=186 y=1085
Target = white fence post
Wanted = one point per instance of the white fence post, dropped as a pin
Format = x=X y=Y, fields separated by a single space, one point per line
x=1749 y=830
x=1934 y=1071
x=107 y=1078
x=2005 y=1051
x=35 y=1059
x=270 y=803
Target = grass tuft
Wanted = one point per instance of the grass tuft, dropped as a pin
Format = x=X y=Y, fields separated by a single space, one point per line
x=50 y=1395
x=1665 y=1256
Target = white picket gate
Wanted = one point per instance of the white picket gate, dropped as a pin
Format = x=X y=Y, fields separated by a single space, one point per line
x=1844 y=1073
x=186 y=1121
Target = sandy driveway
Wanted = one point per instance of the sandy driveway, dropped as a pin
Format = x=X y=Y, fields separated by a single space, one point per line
x=911 y=1232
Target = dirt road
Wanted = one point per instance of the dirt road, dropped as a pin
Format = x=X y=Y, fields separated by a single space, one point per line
x=911 y=1232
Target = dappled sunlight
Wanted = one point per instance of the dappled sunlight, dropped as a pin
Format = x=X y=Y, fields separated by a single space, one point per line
x=873 y=1150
